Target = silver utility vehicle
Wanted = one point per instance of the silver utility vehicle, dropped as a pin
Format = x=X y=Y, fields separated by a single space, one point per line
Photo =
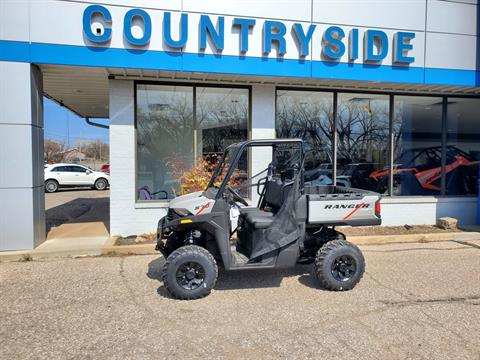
x=292 y=223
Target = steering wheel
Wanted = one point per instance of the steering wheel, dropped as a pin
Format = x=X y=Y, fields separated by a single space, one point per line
x=236 y=196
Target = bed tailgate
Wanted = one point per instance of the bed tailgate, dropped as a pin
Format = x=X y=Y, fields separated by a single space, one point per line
x=344 y=209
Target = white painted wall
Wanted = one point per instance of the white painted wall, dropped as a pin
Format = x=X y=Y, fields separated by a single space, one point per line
x=263 y=127
x=390 y=14
x=421 y=210
x=22 y=198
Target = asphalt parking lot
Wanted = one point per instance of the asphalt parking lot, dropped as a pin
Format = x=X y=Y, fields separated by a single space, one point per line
x=416 y=301
x=64 y=196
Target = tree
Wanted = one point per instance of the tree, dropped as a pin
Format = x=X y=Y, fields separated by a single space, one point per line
x=53 y=151
x=95 y=150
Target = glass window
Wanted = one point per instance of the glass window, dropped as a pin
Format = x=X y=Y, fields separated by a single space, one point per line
x=164 y=137
x=417 y=131
x=308 y=115
x=362 y=143
x=179 y=137
x=463 y=146
x=221 y=119
x=61 y=169
x=78 y=169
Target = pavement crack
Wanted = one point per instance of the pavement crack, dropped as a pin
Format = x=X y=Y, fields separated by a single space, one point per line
x=421 y=249
x=379 y=283
x=466 y=243
x=471 y=300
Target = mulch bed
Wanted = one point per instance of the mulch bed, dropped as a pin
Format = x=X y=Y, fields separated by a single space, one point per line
x=150 y=238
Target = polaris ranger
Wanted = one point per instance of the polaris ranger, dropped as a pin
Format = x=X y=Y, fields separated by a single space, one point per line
x=292 y=223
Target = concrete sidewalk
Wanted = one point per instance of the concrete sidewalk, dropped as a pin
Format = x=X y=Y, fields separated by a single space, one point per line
x=57 y=248
x=77 y=225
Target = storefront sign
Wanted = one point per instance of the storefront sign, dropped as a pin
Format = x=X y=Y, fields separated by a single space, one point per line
x=335 y=43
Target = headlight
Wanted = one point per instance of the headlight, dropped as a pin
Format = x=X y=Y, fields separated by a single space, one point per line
x=182 y=212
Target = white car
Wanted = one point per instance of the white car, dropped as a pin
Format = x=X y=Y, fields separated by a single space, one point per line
x=72 y=175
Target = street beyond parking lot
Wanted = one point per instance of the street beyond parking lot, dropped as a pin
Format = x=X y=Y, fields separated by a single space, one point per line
x=416 y=301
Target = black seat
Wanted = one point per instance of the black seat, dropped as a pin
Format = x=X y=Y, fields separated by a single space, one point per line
x=256 y=217
x=253 y=219
x=275 y=193
x=259 y=222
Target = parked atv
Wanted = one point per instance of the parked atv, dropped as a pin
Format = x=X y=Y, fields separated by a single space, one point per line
x=291 y=223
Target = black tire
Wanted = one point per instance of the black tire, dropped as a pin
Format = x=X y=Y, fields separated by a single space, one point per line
x=190 y=272
x=339 y=265
x=101 y=184
x=51 y=186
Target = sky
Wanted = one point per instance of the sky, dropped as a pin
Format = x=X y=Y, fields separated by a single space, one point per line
x=63 y=125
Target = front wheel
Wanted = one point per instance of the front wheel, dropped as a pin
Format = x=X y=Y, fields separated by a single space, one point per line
x=101 y=184
x=51 y=186
x=339 y=265
x=190 y=272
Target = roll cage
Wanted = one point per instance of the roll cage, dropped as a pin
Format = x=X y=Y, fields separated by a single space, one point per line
x=236 y=150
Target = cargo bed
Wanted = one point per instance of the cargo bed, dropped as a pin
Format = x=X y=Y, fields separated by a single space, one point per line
x=331 y=205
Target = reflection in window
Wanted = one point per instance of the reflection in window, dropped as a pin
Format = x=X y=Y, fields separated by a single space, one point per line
x=463 y=146
x=417 y=129
x=308 y=115
x=164 y=137
x=178 y=144
x=362 y=128
x=221 y=119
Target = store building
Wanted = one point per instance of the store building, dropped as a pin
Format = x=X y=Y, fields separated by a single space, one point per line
x=385 y=93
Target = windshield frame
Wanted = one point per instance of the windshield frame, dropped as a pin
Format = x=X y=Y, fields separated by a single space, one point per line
x=218 y=170
x=238 y=150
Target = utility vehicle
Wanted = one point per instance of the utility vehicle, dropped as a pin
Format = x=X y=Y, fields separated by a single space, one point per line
x=292 y=223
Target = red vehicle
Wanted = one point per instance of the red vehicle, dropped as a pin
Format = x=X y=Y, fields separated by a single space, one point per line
x=425 y=166
x=105 y=168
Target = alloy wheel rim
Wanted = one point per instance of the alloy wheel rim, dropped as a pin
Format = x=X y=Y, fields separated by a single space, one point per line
x=344 y=268
x=190 y=275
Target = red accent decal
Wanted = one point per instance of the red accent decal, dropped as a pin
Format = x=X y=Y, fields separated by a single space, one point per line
x=202 y=208
x=354 y=211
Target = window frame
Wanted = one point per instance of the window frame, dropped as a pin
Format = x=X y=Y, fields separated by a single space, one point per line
x=194 y=86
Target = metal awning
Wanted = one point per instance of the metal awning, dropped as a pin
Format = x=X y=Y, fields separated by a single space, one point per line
x=85 y=89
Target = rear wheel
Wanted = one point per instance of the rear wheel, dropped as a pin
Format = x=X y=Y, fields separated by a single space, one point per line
x=51 y=186
x=190 y=272
x=339 y=265
x=101 y=184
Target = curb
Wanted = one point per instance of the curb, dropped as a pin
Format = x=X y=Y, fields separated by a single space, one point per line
x=30 y=255
x=413 y=238
x=393 y=239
